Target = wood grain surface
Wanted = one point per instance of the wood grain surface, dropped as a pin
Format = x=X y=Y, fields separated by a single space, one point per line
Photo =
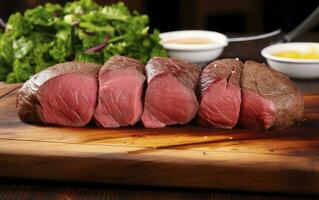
x=7 y=88
x=189 y=156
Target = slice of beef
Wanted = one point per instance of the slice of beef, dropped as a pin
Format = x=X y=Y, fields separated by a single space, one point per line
x=269 y=98
x=170 y=97
x=64 y=94
x=121 y=81
x=220 y=95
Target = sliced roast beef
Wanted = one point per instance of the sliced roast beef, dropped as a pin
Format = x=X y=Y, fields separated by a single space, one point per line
x=220 y=95
x=121 y=81
x=64 y=94
x=269 y=98
x=170 y=95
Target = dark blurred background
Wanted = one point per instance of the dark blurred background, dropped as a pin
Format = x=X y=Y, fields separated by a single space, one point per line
x=227 y=16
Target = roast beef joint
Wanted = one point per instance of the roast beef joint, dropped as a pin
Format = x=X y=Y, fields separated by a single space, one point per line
x=164 y=92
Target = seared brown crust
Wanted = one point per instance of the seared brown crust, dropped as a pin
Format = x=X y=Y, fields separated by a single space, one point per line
x=28 y=105
x=122 y=62
x=228 y=68
x=184 y=71
x=277 y=87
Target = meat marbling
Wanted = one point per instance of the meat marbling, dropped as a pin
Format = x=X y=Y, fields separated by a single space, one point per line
x=170 y=95
x=121 y=82
x=64 y=94
x=220 y=94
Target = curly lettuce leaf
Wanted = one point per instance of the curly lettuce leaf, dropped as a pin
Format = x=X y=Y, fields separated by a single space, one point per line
x=21 y=47
x=17 y=26
x=22 y=70
x=80 y=7
x=80 y=30
x=39 y=16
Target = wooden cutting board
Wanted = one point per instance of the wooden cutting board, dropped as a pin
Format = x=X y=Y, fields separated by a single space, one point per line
x=274 y=161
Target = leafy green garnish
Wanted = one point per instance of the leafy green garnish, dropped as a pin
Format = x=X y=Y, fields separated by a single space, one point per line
x=49 y=34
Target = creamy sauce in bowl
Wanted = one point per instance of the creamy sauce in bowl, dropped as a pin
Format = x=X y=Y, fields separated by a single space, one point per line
x=189 y=41
x=193 y=40
x=196 y=46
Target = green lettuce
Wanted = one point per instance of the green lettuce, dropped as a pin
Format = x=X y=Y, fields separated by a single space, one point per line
x=80 y=30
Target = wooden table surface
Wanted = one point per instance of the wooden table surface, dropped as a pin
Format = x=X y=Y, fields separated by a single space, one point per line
x=30 y=189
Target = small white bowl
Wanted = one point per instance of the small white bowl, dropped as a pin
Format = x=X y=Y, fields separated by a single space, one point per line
x=295 y=68
x=196 y=53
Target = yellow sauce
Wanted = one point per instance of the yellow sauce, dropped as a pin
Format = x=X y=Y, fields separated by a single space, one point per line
x=311 y=54
x=189 y=41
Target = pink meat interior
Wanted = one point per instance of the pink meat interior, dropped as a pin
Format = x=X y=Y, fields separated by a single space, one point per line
x=168 y=102
x=68 y=100
x=120 y=98
x=220 y=105
x=256 y=112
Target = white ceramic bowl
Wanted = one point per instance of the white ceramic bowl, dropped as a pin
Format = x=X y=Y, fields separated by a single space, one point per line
x=295 y=68
x=196 y=53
